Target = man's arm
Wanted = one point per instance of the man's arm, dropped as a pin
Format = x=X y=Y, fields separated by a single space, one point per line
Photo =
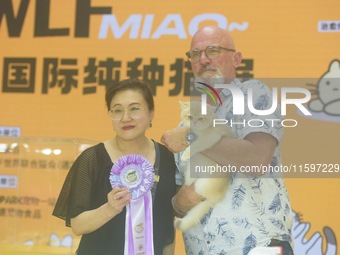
x=254 y=150
x=175 y=139
x=185 y=199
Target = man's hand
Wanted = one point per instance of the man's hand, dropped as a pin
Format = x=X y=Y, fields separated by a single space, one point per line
x=175 y=139
x=187 y=198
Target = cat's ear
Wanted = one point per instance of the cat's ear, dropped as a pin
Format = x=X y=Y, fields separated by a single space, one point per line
x=210 y=108
x=184 y=105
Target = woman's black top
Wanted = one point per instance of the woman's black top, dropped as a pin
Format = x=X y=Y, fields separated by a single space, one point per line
x=86 y=187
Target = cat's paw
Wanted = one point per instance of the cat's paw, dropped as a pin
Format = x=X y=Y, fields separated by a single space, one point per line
x=182 y=225
x=186 y=155
x=178 y=223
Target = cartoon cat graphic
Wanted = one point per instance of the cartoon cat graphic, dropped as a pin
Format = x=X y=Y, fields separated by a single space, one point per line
x=313 y=245
x=55 y=240
x=328 y=91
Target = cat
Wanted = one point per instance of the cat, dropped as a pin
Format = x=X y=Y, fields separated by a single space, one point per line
x=212 y=189
x=328 y=91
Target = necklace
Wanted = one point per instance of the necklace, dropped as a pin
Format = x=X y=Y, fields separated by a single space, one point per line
x=144 y=154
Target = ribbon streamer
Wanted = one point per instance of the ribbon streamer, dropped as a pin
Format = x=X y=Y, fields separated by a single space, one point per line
x=136 y=173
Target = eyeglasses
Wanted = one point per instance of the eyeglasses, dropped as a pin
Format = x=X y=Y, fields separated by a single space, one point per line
x=133 y=112
x=211 y=52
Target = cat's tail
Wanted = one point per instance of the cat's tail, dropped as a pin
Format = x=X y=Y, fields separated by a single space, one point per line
x=214 y=190
x=331 y=241
x=194 y=216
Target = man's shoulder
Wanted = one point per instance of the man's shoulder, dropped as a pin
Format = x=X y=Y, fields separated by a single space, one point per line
x=257 y=87
x=254 y=83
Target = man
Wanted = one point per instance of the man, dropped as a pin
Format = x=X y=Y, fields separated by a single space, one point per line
x=255 y=210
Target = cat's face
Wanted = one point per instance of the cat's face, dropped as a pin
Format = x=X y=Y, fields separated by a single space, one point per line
x=192 y=117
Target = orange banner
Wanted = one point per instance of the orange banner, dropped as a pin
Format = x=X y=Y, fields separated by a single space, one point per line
x=58 y=57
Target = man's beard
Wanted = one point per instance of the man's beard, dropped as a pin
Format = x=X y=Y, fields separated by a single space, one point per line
x=217 y=78
x=202 y=72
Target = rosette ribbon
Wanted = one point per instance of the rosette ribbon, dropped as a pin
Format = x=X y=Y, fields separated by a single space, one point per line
x=136 y=173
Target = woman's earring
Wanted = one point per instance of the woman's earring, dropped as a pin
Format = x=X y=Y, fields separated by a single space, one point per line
x=150 y=125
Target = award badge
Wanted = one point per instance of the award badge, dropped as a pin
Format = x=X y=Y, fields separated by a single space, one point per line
x=137 y=174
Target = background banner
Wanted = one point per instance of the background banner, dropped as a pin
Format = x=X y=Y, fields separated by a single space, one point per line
x=58 y=57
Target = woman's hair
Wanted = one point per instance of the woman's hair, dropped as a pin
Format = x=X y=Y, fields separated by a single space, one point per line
x=130 y=84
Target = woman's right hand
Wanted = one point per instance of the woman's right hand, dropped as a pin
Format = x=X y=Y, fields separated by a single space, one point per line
x=89 y=221
x=117 y=199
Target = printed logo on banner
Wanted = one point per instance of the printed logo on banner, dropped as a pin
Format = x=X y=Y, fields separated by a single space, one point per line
x=136 y=24
x=140 y=26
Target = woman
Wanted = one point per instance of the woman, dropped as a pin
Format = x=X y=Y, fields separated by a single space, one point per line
x=89 y=204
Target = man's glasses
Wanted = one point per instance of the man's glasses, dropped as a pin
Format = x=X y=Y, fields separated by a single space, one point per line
x=211 y=52
x=133 y=112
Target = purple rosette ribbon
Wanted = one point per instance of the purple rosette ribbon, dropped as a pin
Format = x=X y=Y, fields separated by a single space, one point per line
x=136 y=173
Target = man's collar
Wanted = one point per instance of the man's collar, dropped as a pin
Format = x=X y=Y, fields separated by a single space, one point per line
x=236 y=82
